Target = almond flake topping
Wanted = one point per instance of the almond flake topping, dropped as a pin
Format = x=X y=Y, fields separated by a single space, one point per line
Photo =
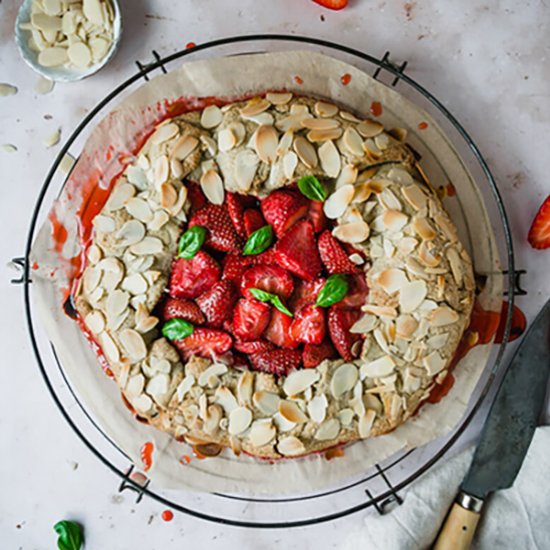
x=411 y=295
x=305 y=151
x=280 y=98
x=323 y=109
x=383 y=366
x=291 y=446
x=328 y=430
x=343 y=379
x=211 y=116
x=330 y=159
x=298 y=381
x=212 y=187
x=290 y=411
x=266 y=143
x=337 y=203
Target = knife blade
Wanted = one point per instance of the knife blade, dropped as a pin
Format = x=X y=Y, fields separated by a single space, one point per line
x=506 y=435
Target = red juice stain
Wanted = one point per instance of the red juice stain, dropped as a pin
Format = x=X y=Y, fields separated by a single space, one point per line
x=376 y=108
x=345 y=79
x=167 y=515
x=34 y=266
x=451 y=190
x=519 y=323
x=206 y=450
x=146 y=453
x=422 y=125
x=335 y=452
x=189 y=45
x=185 y=459
x=298 y=80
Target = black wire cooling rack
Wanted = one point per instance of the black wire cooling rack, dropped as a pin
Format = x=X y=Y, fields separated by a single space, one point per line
x=381 y=486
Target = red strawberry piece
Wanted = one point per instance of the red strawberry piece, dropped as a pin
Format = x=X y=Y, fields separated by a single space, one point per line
x=265 y=258
x=278 y=330
x=357 y=293
x=253 y=220
x=332 y=4
x=175 y=308
x=314 y=354
x=281 y=209
x=255 y=346
x=221 y=233
x=236 y=205
x=333 y=256
x=539 y=234
x=217 y=303
x=250 y=319
x=270 y=278
x=204 y=342
x=190 y=278
x=235 y=265
x=278 y=361
x=306 y=292
x=316 y=215
x=339 y=323
x=196 y=197
x=309 y=325
x=297 y=251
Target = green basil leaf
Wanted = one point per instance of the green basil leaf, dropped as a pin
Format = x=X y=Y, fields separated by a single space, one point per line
x=333 y=291
x=191 y=242
x=258 y=241
x=312 y=188
x=272 y=299
x=70 y=535
x=177 y=329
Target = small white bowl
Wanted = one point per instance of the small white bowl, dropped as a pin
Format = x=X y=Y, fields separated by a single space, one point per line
x=62 y=74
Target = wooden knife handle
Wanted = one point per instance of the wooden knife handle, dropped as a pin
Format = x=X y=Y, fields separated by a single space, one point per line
x=460 y=525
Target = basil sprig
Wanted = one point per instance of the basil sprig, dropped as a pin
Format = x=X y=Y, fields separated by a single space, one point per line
x=177 y=329
x=70 y=535
x=273 y=299
x=312 y=188
x=191 y=242
x=333 y=291
x=258 y=241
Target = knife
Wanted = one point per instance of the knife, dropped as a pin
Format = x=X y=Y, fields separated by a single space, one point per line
x=506 y=436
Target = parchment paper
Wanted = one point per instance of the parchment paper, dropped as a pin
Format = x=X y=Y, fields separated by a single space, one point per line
x=132 y=119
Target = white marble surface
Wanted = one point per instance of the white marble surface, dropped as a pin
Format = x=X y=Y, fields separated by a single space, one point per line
x=488 y=61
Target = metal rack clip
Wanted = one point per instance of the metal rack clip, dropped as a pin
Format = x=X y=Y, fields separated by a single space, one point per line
x=19 y=264
x=143 y=68
x=518 y=290
x=389 y=503
x=386 y=62
x=128 y=483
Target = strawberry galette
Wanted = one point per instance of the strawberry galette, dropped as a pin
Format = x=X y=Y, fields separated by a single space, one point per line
x=276 y=276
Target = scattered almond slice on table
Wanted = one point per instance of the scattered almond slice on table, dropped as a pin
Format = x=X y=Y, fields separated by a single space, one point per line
x=7 y=90
x=52 y=139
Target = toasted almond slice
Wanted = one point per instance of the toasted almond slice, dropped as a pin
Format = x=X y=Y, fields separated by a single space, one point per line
x=405 y=325
x=164 y=133
x=370 y=128
x=353 y=142
x=278 y=98
x=147 y=324
x=265 y=143
x=135 y=385
x=433 y=363
x=423 y=228
x=346 y=416
x=291 y=446
x=212 y=186
x=298 y=381
x=337 y=203
x=343 y=379
x=365 y=424
x=443 y=316
x=94 y=254
x=184 y=386
x=290 y=411
x=381 y=311
x=160 y=218
x=426 y=256
x=330 y=159
x=116 y=303
x=109 y=348
x=133 y=344
x=317 y=408
x=414 y=196
x=285 y=143
x=349 y=116
x=95 y=321
x=255 y=106
x=437 y=341
x=211 y=116
x=406 y=245
x=216 y=369
x=328 y=430
x=388 y=200
x=456 y=265
x=226 y=399
x=239 y=420
x=131 y=232
x=245 y=386
x=148 y=245
x=383 y=366
x=324 y=135
x=305 y=151
x=393 y=220
x=139 y=209
x=411 y=295
x=392 y=280
x=348 y=175
x=212 y=419
x=157 y=386
x=365 y=324
x=356 y=258
x=161 y=170
x=290 y=161
x=443 y=222
x=184 y=147
x=226 y=140
x=262 y=432
x=246 y=164
x=354 y=232
x=324 y=109
x=312 y=123
x=267 y=402
x=135 y=284
x=382 y=141
x=372 y=149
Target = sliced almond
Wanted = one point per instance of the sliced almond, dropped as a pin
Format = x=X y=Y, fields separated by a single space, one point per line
x=226 y=140
x=278 y=98
x=324 y=109
x=160 y=218
x=209 y=145
x=290 y=411
x=103 y=223
x=443 y=316
x=157 y=386
x=317 y=408
x=392 y=280
x=349 y=116
x=135 y=385
x=414 y=196
x=116 y=303
x=298 y=381
x=133 y=344
x=388 y=200
x=239 y=420
x=246 y=164
x=437 y=341
x=226 y=399
x=346 y=416
x=161 y=170
x=212 y=187
x=216 y=369
x=312 y=123
x=245 y=387
x=135 y=284
x=456 y=265
x=95 y=321
x=370 y=128
x=94 y=254
x=328 y=430
x=184 y=147
x=212 y=419
x=423 y=228
x=148 y=245
x=353 y=142
x=330 y=159
x=109 y=348
x=291 y=446
x=343 y=379
x=164 y=133
x=355 y=232
x=131 y=232
x=283 y=425
x=449 y=230
x=411 y=295
x=285 y=143
x=290 y=161
x=305 y=151
x=383 y=366
x=406 y=245
x=53 y=57
x=393 y=220
x=184 y=386
x=365 y=324
x=262 y=432
x=381 y=311
x=139 y=209
x=426 y=257
x=324 y=135
x=267 y=402
x=365 y=424
x=405 y=325
x=266 y=143
x=254 y=107
x=348 y=175
x=434 y=363
x=337 y=203
x=211 y=116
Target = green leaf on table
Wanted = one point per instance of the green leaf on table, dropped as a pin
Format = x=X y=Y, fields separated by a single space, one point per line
x=273 y=299
x=258 y=241
x=191 y=242
x=70 y=535
x=312 y=188
x=333 y=291
x=177 y=329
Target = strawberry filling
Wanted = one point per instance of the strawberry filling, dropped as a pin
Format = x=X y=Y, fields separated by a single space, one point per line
x=249 y=292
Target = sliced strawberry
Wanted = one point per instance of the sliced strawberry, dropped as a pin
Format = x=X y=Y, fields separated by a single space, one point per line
x=539 y=234
x=333 y=256
x=190 y=278
x=278 y=330
x=255 y=346
x=265 y=258
x=281 y=209
x=176 y=308
x=309 y=325
x=235 y=265
x=357 y=293
x=314 y=354
x=196 y=197
x=278 y=362
x=253 y=220
x=236 y=205
x=316 y=215
x=332 y=4
x=297 y=251
x=204 y=342
x=217 y=303
x=250 y=319
x=221 y=233
x=339 y=323
x=306 y=292
x=270 y=278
